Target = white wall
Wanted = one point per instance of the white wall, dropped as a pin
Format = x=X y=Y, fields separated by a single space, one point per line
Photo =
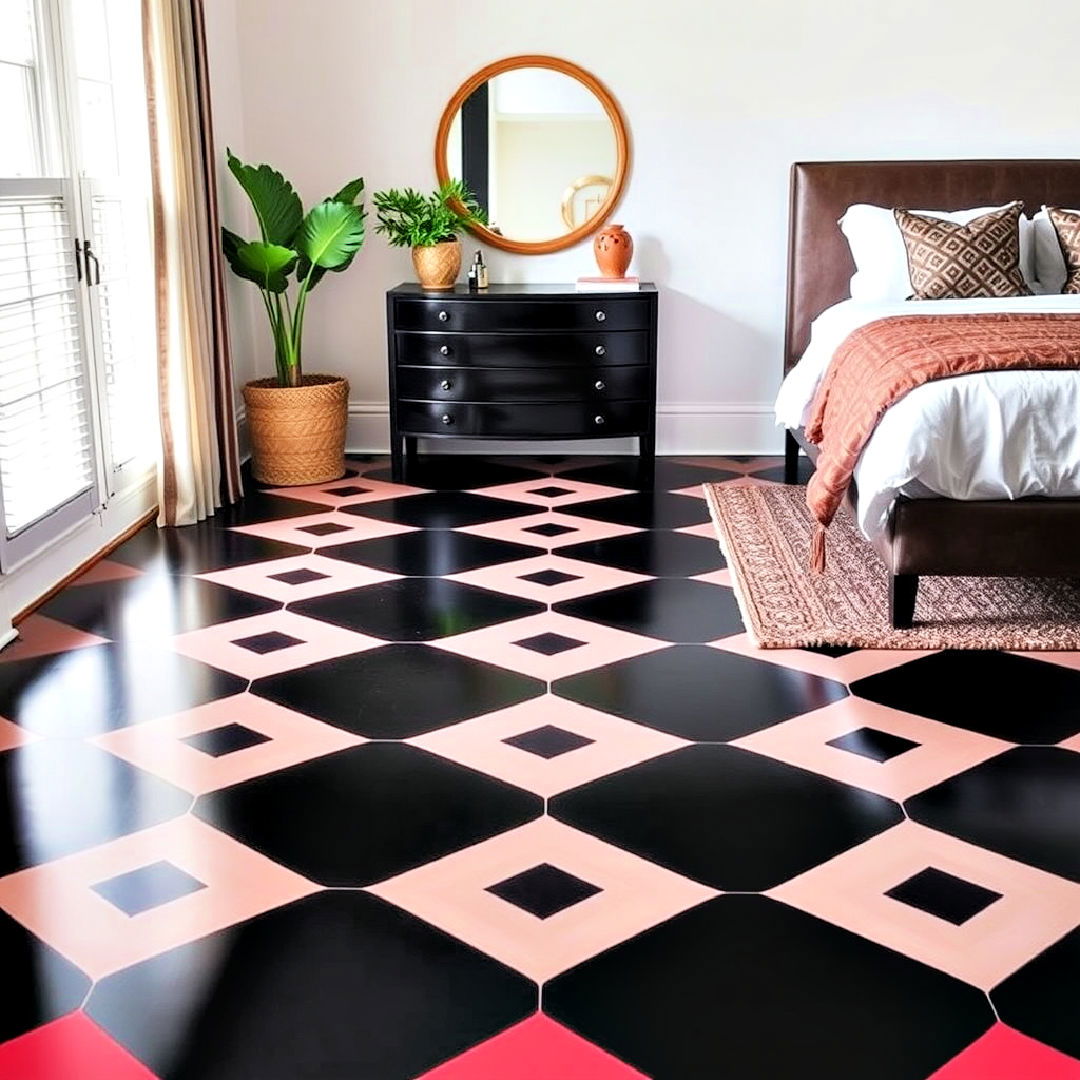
x=720 y=96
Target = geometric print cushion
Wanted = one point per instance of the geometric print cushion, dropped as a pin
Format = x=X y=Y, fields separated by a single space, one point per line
x=981 y=258
x=1067 y=226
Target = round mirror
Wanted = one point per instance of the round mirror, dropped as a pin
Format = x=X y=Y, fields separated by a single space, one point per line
x=543 y=147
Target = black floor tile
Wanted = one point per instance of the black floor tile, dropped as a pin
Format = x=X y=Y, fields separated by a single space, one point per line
x=363 y=815
x=417 y=609
x=431 y=553
x=256 y=507
x=944 y=895
x=1024 y=803
x=1009 y=697
x=198 y=549
x=58 y=797
x=660 y=553
x=147 y=887
x=157 y=605
x=96 y=689
x=461 y=472
x=667 y=475
x=40 y=984
x=726 y=817
x=647 y=510
x=879 y=746
x=1041 y=999
x=227 y=739
x=743 y=986
x=776 y=472
x=672 y=609
x=441 y=510
x=339 y=985
x=398 y=691
x=543 y=891
x=700 y=693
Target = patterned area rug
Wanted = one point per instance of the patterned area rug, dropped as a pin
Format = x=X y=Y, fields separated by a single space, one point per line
x=765 y=534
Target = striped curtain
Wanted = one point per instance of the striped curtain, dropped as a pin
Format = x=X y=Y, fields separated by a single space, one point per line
x=200 y=459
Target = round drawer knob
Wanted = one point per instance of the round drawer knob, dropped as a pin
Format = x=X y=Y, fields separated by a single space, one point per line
x=600 y=384
x=600 y=316
x=600 y=350
x=447 y=419
x=598 y=420
x=446 y=384
x=444 y=349
x=443 y=316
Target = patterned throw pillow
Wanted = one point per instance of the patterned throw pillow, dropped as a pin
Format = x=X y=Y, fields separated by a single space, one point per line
x=1067 y=226
x=981 y=258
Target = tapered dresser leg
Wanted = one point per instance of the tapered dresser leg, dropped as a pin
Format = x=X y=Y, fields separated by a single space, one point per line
x=791 y=459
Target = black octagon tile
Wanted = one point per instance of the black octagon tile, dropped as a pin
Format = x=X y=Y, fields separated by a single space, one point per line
x=1024 y=803
x=155 y=604
x=672 y=609
x=257 y=507
x=668 y=474
x=743 y=986
x=1009 y=697
x=41 y=984
x=776 y=472
x=368 y=813
x=113 y=685
x=461 y=472
x=417 y=609
x=199 y=549
x=543 y=891
x=726 y=817
x=441 y=510
x=1041 y=999
x=398 y=691
x=65 y=796
x=658 y=553
x=700 y=693
x=431 y=553
x=647 y=510
x=338 y=985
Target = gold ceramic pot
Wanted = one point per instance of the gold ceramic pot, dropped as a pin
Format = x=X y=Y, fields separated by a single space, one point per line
x=437 y=267
x=297 y=432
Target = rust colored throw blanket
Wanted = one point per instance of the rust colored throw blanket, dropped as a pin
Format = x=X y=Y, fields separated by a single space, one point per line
x=881 y=362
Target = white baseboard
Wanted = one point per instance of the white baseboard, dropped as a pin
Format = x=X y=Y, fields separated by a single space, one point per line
x=682 y=428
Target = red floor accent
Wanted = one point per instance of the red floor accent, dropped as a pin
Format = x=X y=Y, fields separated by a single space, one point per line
x=536 y=1049
x=1004 y=1054
x=71 y=1047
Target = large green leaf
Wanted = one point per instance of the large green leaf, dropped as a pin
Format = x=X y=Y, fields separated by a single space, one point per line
x=268 y=265
x=276 y=204
x=350 y=192
x=231 y=245
x=331 y=234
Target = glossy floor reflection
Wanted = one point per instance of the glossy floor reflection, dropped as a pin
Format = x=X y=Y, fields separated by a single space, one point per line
x=479 y=778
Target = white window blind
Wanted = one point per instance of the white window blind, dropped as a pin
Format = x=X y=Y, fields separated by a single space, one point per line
x=46 y=443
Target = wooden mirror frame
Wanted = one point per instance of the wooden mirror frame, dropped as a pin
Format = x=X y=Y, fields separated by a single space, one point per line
x=622 y=150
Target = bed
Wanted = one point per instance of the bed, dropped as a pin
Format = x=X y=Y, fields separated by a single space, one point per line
x=915 y=532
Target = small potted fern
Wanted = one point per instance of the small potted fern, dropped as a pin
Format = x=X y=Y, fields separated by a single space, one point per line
x=430 y=225
x=296 y=422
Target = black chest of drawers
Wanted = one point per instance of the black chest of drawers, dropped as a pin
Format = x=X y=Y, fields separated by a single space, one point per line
x=521 y=362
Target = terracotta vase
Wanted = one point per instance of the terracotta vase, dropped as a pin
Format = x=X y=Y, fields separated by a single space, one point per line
x=437 y=267
x=614 y=248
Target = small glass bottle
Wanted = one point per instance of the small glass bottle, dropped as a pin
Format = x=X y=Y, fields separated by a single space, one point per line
x=481 y=271
x=474 y=277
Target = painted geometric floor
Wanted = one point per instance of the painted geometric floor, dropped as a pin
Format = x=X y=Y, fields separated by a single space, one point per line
x=481 y=780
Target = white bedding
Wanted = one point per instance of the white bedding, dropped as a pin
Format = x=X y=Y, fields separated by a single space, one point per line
x=998 y=435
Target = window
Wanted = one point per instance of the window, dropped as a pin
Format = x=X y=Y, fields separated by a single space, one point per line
x=76 y=303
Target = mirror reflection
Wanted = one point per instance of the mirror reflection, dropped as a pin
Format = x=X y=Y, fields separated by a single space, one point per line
x=537 y=149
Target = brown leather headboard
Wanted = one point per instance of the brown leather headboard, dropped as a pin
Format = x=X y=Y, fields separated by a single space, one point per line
x=819 y=263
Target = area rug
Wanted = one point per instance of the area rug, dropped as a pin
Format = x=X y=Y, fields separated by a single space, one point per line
x=765 y=532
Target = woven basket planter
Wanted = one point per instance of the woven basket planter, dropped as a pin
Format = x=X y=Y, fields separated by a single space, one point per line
x=297 y=432
x=437 y=267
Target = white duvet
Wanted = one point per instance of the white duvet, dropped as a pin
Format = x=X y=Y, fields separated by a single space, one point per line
x=998 y=435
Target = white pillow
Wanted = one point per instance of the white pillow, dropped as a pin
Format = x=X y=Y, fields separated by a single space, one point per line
x=881 y=266
x=1050 y=266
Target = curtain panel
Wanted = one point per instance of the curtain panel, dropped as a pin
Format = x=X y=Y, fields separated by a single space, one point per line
x=200 y=461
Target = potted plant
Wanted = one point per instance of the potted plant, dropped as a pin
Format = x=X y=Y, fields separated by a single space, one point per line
x=296 y=421
x=429 y=224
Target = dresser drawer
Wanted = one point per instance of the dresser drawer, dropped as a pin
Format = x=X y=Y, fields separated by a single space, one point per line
x=526 y=350
x=515 y=316
x=523 y=384
x=524 y=421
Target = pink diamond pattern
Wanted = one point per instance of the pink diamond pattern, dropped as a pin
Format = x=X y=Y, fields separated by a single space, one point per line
x=342 y=492
x=106 y=570
x=499 y=645
x=451 y=893
x=528 y=491
x=352 y=529
x=580 y=530
x=1035 y=910
x=614 y=744
x=41 y=636
x=334 y=575
x=588 y=578
x=1005 y=1054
